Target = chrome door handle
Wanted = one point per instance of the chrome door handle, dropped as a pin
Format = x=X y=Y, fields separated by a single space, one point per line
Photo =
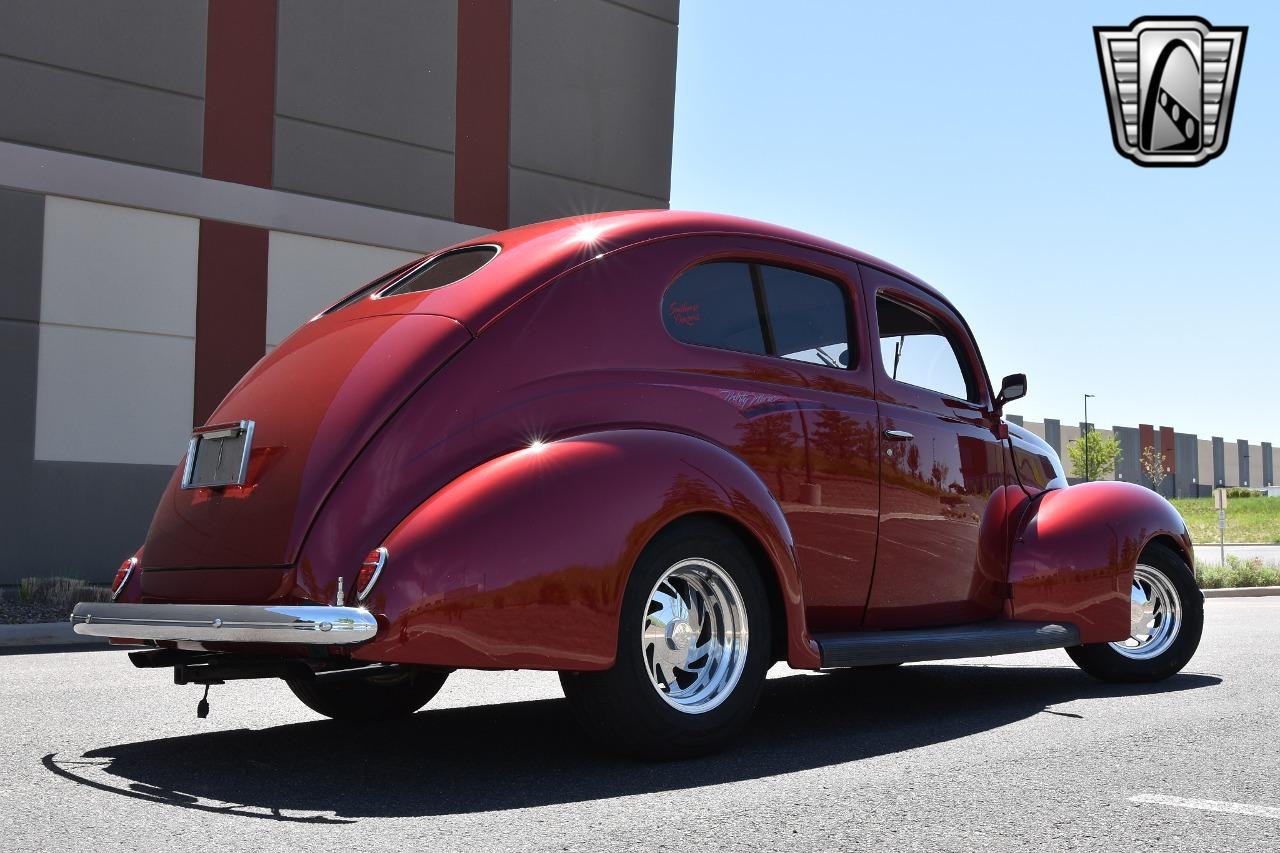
x=898 y=435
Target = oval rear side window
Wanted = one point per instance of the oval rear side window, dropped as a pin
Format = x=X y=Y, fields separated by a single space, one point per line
x=444 y=269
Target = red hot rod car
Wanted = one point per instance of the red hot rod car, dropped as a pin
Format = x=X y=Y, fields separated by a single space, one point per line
x=656 y=452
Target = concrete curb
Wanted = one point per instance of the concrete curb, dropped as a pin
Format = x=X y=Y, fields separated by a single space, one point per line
x=39 y=635
x=1242 y=591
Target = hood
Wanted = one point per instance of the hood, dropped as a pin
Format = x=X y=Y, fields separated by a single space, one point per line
x=315 y=402
x=1035 y=462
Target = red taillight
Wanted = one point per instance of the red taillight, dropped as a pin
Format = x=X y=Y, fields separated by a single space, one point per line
x=122 y=576
x=370 y=569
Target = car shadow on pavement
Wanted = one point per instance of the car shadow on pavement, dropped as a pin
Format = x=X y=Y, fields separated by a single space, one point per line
x=523 y=754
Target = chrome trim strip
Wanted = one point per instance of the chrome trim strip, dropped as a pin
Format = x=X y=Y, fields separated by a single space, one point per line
x=226 y=623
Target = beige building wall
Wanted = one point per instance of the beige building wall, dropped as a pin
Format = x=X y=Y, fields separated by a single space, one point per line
x=1255 y=465
x=1204 y=470
x=1231 y=465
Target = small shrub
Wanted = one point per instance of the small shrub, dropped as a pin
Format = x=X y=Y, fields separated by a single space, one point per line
x=1242 y=492
x=59 y=592
x=1238 y=572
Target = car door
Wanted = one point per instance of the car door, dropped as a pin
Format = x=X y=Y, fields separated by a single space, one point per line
x=802 y=382
x=940 y=559
x=834 y=520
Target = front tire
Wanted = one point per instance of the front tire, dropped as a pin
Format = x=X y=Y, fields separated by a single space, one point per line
x=694 y=645
x=1167 y=618
x=374 y=697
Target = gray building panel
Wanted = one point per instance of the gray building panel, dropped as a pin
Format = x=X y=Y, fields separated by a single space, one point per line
x=1186 y=461
x=1219 y=462
x=389 y=71
x=1242 y=449
x=106 y=531
x=334 y=163
x=156 y=43
x=535 y=197
x=55 y=108
x=667 y=10
x=1014 y=419
x=19 y=355
x=21 y=242
x=592 y=95
x=1053 y=435
x=1268 y=465
x=1129 y=467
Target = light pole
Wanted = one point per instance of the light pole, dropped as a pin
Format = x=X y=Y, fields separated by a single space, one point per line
x=1088 y=475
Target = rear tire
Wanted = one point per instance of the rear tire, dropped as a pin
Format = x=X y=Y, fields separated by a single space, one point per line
x=1167 y=609
x=375 y=697
x=693 y=648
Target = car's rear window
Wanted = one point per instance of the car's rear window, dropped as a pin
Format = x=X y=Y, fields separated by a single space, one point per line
x=443 y=269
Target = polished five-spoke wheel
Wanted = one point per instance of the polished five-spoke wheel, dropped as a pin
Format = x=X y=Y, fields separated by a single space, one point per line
x=693 y=647
x=1166 y=616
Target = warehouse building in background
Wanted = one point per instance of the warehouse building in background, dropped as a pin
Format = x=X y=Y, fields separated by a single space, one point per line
x=184 y=182
x=1193 y=466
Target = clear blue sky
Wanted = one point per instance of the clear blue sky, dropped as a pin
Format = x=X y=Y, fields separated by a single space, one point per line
x=970 y=145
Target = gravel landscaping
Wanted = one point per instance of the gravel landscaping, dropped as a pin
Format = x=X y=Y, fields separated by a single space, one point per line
x=46 y=599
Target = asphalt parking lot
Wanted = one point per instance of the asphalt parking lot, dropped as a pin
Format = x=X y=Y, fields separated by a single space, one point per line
x=1014 y=753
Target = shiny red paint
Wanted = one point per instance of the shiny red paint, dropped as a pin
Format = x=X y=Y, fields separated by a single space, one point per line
x=932 y=566
x=518 y=563
x=1074 y=551
x=515 y=439
x=308 y=431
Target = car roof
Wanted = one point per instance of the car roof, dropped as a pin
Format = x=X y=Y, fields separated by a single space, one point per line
x=628 y=227
x=532 y=255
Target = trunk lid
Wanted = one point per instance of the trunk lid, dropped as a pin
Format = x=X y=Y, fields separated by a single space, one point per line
x=315 y=401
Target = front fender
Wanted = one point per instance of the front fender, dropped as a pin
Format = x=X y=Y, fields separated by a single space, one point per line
x=522 y=561
x=1074 y=551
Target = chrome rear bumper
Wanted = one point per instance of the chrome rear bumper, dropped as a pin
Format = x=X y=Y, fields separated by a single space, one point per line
x=226 y=623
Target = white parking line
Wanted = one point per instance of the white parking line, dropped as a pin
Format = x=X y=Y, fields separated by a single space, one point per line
x=1209 y=805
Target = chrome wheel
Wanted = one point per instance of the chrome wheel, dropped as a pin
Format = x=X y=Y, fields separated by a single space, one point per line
x=1155 y=615
x=694 y=636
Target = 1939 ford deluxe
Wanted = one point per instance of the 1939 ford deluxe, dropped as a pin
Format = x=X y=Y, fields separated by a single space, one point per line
x=656 y=452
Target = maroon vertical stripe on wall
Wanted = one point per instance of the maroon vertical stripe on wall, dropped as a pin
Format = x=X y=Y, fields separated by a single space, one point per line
x=239 y=116
x=1146 y=436
x=483 y=113
x=231 y=316
x=240 y=91
x=1167 y=456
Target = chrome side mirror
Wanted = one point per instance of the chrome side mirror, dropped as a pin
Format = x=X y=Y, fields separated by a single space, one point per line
x=1014 y=387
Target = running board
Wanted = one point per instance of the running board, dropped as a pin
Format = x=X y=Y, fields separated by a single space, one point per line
x=869 y=648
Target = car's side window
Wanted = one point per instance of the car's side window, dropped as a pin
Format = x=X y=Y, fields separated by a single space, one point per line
x=918 y=349
x=761 y=309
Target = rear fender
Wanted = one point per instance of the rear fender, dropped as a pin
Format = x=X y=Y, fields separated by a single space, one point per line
x=1074 y=551
x=522 y=562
